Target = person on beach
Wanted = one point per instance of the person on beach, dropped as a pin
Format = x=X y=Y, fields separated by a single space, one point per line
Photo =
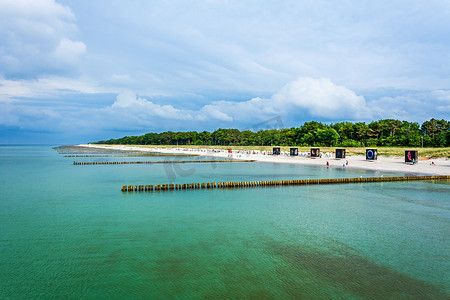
x=328 y=164
x=346 y=162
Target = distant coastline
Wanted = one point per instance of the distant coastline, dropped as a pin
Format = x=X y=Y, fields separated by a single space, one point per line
x=381 y=133
x=387 y=164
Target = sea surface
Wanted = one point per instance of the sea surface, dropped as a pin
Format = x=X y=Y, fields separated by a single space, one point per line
x=68 y=231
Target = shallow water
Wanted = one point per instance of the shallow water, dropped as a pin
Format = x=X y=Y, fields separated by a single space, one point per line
x=68 y=231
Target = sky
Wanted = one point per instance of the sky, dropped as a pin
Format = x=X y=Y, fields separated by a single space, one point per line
x=81 y=71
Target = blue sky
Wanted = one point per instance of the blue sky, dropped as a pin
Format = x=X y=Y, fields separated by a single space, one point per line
x=80 y=71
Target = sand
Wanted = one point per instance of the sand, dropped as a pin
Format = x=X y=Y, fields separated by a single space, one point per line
x=387 y=164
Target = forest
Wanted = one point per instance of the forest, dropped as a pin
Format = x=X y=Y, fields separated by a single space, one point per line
x=383 y=133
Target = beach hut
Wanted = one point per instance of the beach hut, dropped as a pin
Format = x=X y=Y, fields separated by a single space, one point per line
x=276 y=151
x=411 y=156
x=315 y=152
x=371 y=154
x=340 y=153
x=294 y=151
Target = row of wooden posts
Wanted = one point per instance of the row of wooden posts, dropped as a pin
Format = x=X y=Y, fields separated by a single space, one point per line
x=245 y=184
x=133 y=155
x=84 y=163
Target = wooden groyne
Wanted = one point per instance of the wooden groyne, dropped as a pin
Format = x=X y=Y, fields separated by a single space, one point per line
x=84 y=163
x=134 y=155
x=252 y=184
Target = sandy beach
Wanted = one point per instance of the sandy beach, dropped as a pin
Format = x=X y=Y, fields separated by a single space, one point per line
x=388 y=164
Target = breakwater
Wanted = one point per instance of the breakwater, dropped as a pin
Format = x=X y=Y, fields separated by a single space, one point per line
x=134 y=155
x=272 y=183
x=155 y=162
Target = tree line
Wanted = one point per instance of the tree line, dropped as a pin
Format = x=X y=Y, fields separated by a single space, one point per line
x=387 y=132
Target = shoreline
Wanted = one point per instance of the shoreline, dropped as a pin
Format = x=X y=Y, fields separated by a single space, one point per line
x=383 y=164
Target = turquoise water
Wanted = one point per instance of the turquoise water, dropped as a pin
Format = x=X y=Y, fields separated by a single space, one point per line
x=68 y=232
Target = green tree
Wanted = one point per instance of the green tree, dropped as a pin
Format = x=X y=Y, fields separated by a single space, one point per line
x=387 y=132
x=433 y=127
x=327 y=137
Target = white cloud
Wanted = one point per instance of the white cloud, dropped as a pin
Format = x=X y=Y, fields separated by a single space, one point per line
x=69 y=52
x=308 y=98
x=37 y=37
x=28 y=117
x=128 y=103
x=412 y=106
x=213 y=112
x=242 y=112
x=212 y=51
x=298 y=101
x=442 y=95
x=52 y=86
x=257 y=47
x=120 y=78
x=321 y=98
x=318 y=98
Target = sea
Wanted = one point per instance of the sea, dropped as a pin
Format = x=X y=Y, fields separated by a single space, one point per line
x=68 y=232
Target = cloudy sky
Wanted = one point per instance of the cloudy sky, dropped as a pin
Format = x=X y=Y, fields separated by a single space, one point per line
x=80 y=71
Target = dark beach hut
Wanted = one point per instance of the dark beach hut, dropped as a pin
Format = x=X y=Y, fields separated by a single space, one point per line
x=411 y=156
x=340 y=153
x=371 y=154
x=276 y=151
x=315 y=152
x=294 y=151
